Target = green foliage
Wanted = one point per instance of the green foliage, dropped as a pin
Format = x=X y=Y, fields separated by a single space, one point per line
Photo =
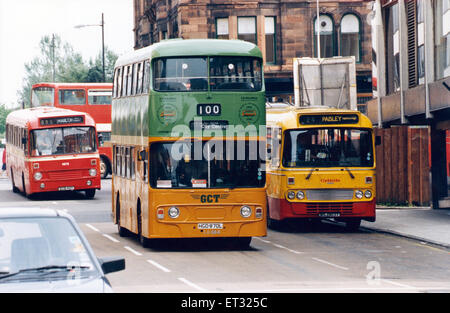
x=58 y=62
x=3 y=114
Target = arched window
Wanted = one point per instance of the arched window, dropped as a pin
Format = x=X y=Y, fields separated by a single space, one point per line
x=326 y=28
x=350 y=36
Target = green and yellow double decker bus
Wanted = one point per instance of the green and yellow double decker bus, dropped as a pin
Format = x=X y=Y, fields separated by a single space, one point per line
x=188 y=123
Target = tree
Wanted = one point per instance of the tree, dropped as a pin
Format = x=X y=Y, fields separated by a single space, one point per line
x=3 y=114
x=95 y=73
x=58 y=62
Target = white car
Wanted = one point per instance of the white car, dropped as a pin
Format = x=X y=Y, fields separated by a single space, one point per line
x=43 y=250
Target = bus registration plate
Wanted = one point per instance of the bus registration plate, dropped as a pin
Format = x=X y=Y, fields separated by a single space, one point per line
x=329 y=214
x=70 y=188
x=210 y=226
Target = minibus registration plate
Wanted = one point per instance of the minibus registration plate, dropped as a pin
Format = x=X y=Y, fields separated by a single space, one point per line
x=210 y=226
x=70 y=188
x=329 y=214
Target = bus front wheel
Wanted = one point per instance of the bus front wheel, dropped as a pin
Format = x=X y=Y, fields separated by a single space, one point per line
x=123 y=232
x=353 y=224
x=243 y=242
x=104 y=168
x=90 y=193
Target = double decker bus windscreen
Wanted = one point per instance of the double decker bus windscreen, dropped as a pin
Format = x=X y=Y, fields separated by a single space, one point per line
x=328 y=147
x=63 y=140
x=42 y=96
x=191 y=74
x=178 y=165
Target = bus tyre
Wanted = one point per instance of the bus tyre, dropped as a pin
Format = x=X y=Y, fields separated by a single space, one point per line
x=353 y=224
x=145 y=242
x=123 y=232
x=103 y=168
x=243 y=242
x=14 y=188
x=90 y=193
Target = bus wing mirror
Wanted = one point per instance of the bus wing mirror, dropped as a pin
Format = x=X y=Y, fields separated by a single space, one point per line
x=377 y=140
x=142 y=155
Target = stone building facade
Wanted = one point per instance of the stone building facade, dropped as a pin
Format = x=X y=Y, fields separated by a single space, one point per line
x=283 y=29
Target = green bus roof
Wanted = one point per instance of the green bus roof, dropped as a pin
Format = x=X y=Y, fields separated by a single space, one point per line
x=191 y=47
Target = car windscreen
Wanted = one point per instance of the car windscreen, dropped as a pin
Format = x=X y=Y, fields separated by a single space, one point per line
x=42 y=247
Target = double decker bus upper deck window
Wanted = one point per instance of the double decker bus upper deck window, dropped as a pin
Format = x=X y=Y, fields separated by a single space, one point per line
x=235 y=73
x=99 y=97
x=72 y=97
x=180 y=74
x=42 y=96
x=328 y=147
x=63 y=140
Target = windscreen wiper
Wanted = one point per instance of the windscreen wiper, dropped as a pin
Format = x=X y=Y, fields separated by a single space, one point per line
x=310 y=173
x=349 y=172
x=38 y=269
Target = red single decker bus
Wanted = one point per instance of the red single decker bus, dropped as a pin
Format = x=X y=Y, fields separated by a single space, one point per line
x=52 y=149
x=92 y=98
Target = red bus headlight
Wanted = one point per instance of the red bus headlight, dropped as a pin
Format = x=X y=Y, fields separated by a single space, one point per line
x=37 y=176
x=93 y=172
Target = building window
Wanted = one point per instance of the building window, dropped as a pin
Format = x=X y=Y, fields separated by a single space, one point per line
x=442 y=29
x=326 y=28
x=247 y=29
x=350 y=36
x=420 y=42
x=270 y=39
x=222 y=31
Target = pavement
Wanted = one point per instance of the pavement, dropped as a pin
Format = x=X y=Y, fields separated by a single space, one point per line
x=419 y=223
x=424 y=224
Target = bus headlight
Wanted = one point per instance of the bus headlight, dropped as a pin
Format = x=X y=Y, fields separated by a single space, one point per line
x=246 y=211
x=359 y=194
x=291 y=195
x=93 y=172
x=368 y=194
x=300 y=195
x=174 y=212
x=37 y=176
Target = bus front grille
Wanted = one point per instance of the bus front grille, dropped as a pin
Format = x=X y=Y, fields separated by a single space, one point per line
x=318 y=208
x=65 y=175
x=329 y=194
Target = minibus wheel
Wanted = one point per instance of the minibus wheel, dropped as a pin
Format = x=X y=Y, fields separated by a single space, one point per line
x=90 y=193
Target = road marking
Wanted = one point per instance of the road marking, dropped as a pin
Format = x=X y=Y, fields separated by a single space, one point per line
x=110 y=238
x=398 y=284
x=162 y=268
x=331 y=264
x=279 y=246
x=187 y=282
x=285 y=248
x=266 y=241
x=133 y=251
x=92 y=227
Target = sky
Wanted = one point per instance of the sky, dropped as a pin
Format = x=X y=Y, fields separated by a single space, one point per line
x=24 y=22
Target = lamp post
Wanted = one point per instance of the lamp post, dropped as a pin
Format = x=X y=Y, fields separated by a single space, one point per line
x=102 y=25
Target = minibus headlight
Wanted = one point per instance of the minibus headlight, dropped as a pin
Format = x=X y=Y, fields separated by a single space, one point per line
x=300 y=195
x=93 y=172
x=37 y=176
x=246 y=211
x=291 y=195
x=359 y=194
x=174 y=212
x=368 y=194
